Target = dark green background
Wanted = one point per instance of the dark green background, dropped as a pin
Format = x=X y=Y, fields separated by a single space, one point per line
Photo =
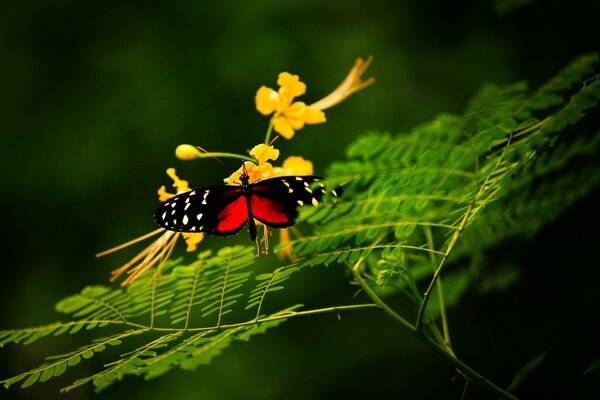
x=96 y=95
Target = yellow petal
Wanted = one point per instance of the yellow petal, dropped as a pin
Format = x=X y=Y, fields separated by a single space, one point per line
x=192 y=240
x=295 y=165
x=267 y=100
x=263 y=152
x=313 y=116
x=163 y=195
x=296 y=123
x=283 y=127
x=179 y=184
x=264 y=171
x=295 y=110
x=291 y=85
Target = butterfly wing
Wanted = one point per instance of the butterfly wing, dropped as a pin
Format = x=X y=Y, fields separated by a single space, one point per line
x=217 y=210
x=274 y=201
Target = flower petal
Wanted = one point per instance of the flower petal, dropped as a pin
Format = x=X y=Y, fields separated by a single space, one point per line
x=179 y=184
x=283 y=127
x=291 y=85
x=263 y=152
x=192 y=240
x=313 y=116
x=163 y=195
x=267 y=100
x=296 y=123
x=295 y=110
x=295 y=165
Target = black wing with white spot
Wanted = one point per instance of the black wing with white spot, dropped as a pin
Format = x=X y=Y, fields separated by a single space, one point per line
x=217 y=210
x=274 y=201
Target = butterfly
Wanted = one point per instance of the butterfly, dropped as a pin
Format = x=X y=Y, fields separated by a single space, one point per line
x=223 y=210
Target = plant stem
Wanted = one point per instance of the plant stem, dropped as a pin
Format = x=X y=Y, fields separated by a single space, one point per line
x=438 y=271
x=227 y=155
x=440 y=292
x=469 y=373
x=269 y=131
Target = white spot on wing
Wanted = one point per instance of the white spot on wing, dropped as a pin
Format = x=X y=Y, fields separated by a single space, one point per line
x=173 y=212
x=333 y=192
x=305 y=183
x=185 y=219
x=186 y=206
x=205 y=194
x=308 y=190
x=290 y=190
x=173 y=204
x=192 y=229
x=199 y=216
x=315 y=202
x=299 y=178
x=164 y=215
x=300 y=203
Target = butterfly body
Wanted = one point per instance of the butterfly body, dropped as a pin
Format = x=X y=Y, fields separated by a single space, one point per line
x=225 y=209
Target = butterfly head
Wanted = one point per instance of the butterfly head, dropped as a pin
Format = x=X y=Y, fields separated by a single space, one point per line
x=245 y=179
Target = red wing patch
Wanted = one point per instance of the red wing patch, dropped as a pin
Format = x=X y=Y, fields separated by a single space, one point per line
x=232 y=218
x=270 y=212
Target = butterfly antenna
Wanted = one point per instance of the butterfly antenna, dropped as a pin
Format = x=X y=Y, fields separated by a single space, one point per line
x=208 y=152
x=273 y=141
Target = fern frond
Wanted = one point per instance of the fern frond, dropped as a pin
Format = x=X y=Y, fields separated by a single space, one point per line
x=444 y=174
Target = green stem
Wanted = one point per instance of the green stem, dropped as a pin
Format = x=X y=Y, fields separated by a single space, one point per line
x=275 y=317
x=269 y=131
x=227 y=155
x=440 y=292
x=377 y=300
x=438 y=271
x=468 y=372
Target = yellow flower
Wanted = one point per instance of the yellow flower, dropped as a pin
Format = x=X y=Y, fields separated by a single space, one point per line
x=262 y=170
x=160 y=250
x=288 y=116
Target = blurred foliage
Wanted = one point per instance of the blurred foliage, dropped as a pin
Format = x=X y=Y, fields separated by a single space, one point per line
x=94 y=93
